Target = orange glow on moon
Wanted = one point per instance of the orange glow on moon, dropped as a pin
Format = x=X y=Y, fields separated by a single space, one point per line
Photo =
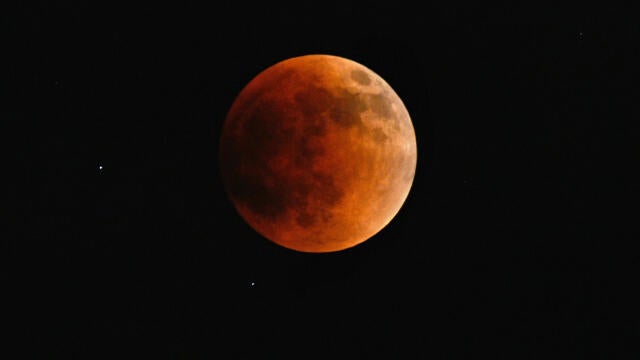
x=318 y=153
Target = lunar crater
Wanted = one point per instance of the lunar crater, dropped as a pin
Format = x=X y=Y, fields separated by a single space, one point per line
x=360 y=77
x=380 y=105
x=378 y=135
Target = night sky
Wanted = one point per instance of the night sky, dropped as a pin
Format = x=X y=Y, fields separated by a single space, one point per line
x=517 y=238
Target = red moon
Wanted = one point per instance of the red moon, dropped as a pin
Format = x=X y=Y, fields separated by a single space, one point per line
x=317 y=153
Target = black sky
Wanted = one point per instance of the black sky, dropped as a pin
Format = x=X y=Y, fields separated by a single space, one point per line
x=517 y=239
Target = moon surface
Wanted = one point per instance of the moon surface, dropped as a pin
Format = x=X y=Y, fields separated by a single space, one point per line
x=317 y=153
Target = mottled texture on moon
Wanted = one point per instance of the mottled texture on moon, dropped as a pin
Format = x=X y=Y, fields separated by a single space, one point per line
x=318 y=153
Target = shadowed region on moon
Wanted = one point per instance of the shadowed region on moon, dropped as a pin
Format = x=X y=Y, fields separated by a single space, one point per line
x=271 y=173
x=317 y=153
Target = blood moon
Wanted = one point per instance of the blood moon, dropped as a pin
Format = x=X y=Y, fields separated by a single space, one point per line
x=317 y=153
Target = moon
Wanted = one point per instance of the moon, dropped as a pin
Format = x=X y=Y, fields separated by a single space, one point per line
x=317 y=153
